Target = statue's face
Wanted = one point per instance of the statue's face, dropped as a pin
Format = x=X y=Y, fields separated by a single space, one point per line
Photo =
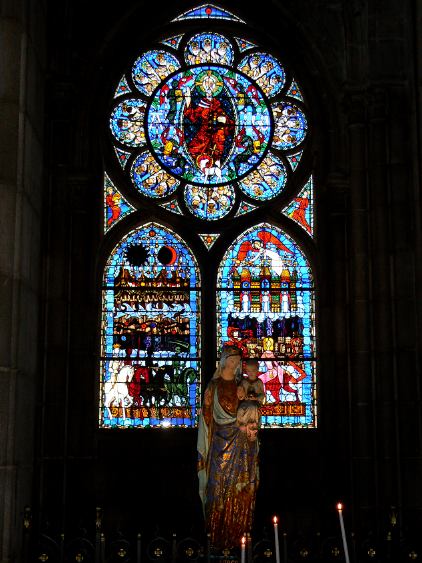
x=232 y=362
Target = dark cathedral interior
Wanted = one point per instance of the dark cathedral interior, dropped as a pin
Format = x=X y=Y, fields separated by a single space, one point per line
x=64 y=478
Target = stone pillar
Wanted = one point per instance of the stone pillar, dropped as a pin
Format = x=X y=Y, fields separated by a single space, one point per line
x=21 y=161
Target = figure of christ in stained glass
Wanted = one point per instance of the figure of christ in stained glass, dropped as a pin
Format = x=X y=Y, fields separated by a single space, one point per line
x=266 y=308
x=209 y=125
x=151 y=332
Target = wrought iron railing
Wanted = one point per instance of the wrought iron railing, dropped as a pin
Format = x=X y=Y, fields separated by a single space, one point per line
x=97 y=547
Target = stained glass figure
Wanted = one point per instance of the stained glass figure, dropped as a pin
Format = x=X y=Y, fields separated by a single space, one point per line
x=294 y=159
x=301 y=208
x=173 y=41
x=209 y=203
x=294 y=91
x=209 y=125
x=150 y=179
x=115 y=205
x=150 y=332
x=265 y=70
x=244 y=45
x=127 y=122
x=207 y=11
x=209 y=239
x=245 y=207
x=122 y=88
x=152 y=68
x=266 y=181
x=209 y=48
x=290 y=125
x=122 y=156
x=265 y=306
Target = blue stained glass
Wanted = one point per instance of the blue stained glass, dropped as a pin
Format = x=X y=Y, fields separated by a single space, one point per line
x=206 y=11
x=294 y=159
x=244 y=45
x=245 y=207
x=172 y=206
x=209 y=48
x=152 y=68
x=265 y=306
x=209 y=239
x=127 y=122
x=122 y=88
x=151 y=332
x=173 y=41
x=122 y=156
x=265 y=70
x=267 y=181
x=301 y=208
x=294 y=91
x=290 y=125
x=209 y=203
x=179 y=125
x=150 y=179
x=115 y=205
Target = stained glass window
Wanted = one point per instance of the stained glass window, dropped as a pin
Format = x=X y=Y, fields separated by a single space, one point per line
x=207 y=127
x=208 y=118
x=265 y=306
x=207 y=11
x=151 y=332
x=115 y=205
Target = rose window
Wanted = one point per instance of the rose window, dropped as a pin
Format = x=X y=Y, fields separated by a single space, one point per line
x=208 y=124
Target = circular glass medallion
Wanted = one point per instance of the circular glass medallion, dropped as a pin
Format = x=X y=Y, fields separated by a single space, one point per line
x=127 y=122
x=209 y=203
x=151 y=68
x=266 y=70
x=209 y=125
x=209 y=48
x=290 y=125
x=150 y=179
x=267 y=181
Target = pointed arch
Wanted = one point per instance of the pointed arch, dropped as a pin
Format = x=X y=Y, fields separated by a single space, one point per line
x=266 y=306
x=150 y=346
x=253 y=159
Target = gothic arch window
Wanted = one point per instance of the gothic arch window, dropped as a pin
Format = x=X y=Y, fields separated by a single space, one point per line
x=151 y=331
x=208 y=129
x=265 y=306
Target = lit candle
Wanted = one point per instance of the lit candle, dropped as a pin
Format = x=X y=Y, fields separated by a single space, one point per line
x=277 y=545
x=243 y=550
x=343 y=532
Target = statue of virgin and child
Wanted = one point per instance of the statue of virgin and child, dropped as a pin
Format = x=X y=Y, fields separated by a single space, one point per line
x=228 y=449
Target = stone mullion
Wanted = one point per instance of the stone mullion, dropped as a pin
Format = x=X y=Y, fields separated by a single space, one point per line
x=20 y=185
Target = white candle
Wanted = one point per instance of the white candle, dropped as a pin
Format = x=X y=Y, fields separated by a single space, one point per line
x=243 y=550
x=277 y=545
x=343 y=532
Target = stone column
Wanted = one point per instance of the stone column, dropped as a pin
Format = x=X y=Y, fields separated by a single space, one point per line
x=21 y=161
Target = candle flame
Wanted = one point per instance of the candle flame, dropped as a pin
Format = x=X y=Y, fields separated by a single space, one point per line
x=339 y=506
x=243 y=540
x=275 y=519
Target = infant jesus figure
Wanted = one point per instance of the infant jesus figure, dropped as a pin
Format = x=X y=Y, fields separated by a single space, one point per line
x=251 y=395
